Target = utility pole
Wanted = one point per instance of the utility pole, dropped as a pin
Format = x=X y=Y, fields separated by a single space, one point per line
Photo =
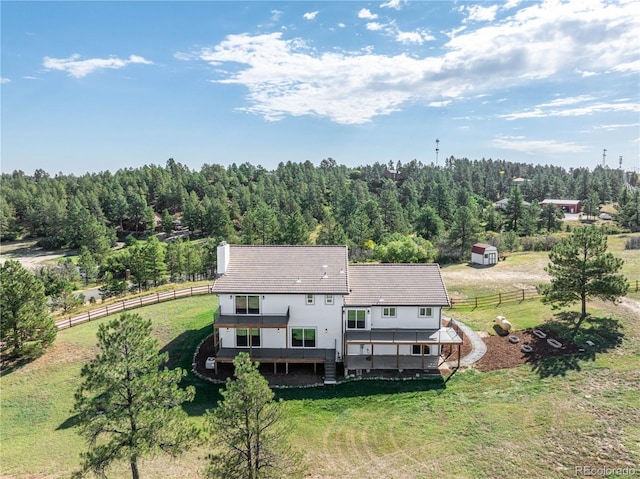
x=437 y=150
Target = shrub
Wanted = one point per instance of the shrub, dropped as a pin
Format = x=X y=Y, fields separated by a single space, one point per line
x=632 y=243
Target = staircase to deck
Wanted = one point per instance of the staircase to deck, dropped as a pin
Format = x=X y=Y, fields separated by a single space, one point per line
x=330 y=371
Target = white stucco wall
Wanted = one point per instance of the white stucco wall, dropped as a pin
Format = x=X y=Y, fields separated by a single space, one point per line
x=326 y=318
x=407 y=317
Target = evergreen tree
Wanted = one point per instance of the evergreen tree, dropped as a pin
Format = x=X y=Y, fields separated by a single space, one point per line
x=591 y=205
x=551 y=218
x=428 y=224
x=174 y=259
x=515 y=208
x=26 y=328
x=166 y=222
x=246 y=429
x=331 y=232
x=464 y=231
x=442 y=202
x=217 y=222
x=260 y=225
x=127 y=406
x=9 y=226
x=629 y=213
x=295 y=229
x=154 y=257
x=87 y=264
x=581 y=268
x=528 y=225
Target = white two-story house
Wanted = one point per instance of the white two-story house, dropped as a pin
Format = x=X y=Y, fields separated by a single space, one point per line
x=306 y=304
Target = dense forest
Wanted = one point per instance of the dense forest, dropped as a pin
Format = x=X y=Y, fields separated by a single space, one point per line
x=393 y=212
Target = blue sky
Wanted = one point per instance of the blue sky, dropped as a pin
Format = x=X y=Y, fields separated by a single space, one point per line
x=94 y=86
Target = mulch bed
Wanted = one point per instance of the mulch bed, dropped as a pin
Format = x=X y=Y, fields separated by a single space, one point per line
x=501 y=353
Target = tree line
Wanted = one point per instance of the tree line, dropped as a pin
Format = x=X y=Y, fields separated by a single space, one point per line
x=300 y=203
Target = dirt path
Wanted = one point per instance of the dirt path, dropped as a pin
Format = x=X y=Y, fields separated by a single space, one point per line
x=28 y=254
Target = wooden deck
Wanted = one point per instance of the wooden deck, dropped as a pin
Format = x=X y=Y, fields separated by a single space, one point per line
x=278 y=355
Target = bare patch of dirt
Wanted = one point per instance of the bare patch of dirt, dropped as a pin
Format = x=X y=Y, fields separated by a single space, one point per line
x=28 y=254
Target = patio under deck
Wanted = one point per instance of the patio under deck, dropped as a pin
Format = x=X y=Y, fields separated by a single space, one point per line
x=278 y=355
x=391 y=362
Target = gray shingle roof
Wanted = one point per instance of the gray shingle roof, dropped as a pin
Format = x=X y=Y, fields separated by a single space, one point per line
x=285 y=269
x=396 y=285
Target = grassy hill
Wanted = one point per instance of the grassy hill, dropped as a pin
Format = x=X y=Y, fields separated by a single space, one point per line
x=582 y=412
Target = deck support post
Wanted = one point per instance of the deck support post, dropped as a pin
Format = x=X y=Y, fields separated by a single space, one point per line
x=371 y=355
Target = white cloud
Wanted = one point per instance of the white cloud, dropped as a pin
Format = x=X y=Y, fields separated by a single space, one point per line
x=366 y=14
x=77 y=68
x=540 y=41
x=183 y=56
x=537 y=147
x=375 y=26
x=5 y=80
x=417 y=37
x=511 y=4
x=391 y=4
x=341 y=25
x=275 y=15
x=556 y=108
x=616 y=126
x=310 y=15
x=478 y=13
x=440 y=104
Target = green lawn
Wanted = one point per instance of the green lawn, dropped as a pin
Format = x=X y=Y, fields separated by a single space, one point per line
x=531 y=421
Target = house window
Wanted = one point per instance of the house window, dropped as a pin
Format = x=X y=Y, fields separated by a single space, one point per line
x=310 y=299
x=356 y=319
x=328 y=299
x=388 y=312
x=246 y=304
x=303 y=338
x=419 y=349
x=242 y=337
x=425 y=312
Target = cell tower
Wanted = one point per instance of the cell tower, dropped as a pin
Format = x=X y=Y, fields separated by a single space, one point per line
x=620 y=163
x=437 y=150
x=604 y=156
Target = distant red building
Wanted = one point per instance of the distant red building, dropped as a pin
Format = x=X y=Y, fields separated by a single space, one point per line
x=568 y=206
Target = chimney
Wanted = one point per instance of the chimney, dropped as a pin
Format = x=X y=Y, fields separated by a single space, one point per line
x=224 y=255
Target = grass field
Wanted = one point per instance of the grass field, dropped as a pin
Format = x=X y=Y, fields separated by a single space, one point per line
x=531 y=421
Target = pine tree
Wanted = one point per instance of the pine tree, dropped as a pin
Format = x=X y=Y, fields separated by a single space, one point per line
x=581 y=268
x=26 y=328
x=247 y=432
x=127 y=405
x=464 y=231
